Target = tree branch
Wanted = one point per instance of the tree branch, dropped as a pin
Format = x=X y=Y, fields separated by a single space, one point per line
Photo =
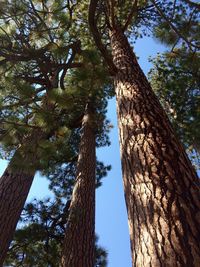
x=191 y=3
x=32 y=80
x=41 y=20
x=190 y=44
x=97 y=37
x=20 y=124
x=75 y=48
x=130 y=16
x=112 y=13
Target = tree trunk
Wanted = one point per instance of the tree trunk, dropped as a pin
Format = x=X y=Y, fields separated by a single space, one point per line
x=17 y=179
x=15 y=184
x=79 y=241
x=14 y=189
x=161 y=187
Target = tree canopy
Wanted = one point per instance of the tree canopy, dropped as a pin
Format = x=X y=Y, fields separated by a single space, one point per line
x=51 y=67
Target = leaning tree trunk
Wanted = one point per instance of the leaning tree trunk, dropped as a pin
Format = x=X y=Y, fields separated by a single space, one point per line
x=79 y=241
x=17 y=179
x=15 y=184
x=161 y=187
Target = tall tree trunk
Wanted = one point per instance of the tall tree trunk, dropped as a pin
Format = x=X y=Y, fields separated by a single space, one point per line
x=15 y=184
x=17 y=179
x=14 y=188
x=161 y=187
x=79 y=241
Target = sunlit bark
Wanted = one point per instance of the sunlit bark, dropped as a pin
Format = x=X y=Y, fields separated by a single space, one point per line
x=161 y=187
x=79 y=241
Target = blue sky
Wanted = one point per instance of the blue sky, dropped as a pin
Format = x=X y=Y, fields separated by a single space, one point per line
x=111 y=216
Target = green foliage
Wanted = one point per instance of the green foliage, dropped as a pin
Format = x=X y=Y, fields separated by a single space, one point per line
x=178 y=24
x=40 y=44
x=164 y=33
x=42 y=104
x=175 y=79
x=38 y=240
x=62 y=177
x=37 y=41
x=175 y=74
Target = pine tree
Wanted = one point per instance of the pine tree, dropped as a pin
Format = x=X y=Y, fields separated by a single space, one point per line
x=79 y=240
x=161 y=186
x=78 y=245
x=18 y=47
x=22 y=175
x=175 y=74
x=38 y=241
x=47 y=67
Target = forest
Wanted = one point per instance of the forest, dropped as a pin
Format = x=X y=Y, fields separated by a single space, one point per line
x=61 y=62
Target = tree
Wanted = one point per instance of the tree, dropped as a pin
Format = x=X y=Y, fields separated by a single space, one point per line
x=175 y=74
x=161 y=186
x=78 y=245
x=38 y=241
x=23 y=175
x=43 y=71
x=48 y=66
x=79 y=240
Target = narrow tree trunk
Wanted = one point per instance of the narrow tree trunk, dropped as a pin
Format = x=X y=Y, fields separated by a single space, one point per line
x=15 y=184
x=161 y=187
x=79 y=241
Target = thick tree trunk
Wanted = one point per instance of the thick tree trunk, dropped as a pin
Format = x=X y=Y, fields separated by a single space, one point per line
x=161 y=187
x=79 y=241
x=14 y=189
x=15 y=184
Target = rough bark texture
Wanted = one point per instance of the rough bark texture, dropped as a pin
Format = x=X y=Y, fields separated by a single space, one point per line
x=14 y=188
x=79 y=241
x=15 y=184
x=161 y=187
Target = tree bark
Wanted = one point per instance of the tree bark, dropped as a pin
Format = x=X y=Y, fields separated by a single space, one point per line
x=17 y=179
x=79 y=241
x=15 y=184
x=161 y=187
x=14 y=188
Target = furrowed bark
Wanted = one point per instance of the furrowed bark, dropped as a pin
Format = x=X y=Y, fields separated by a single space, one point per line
x=16 y=181
x=15 y=184
x=162 y=190
x=14 y=188
x=79 y=241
